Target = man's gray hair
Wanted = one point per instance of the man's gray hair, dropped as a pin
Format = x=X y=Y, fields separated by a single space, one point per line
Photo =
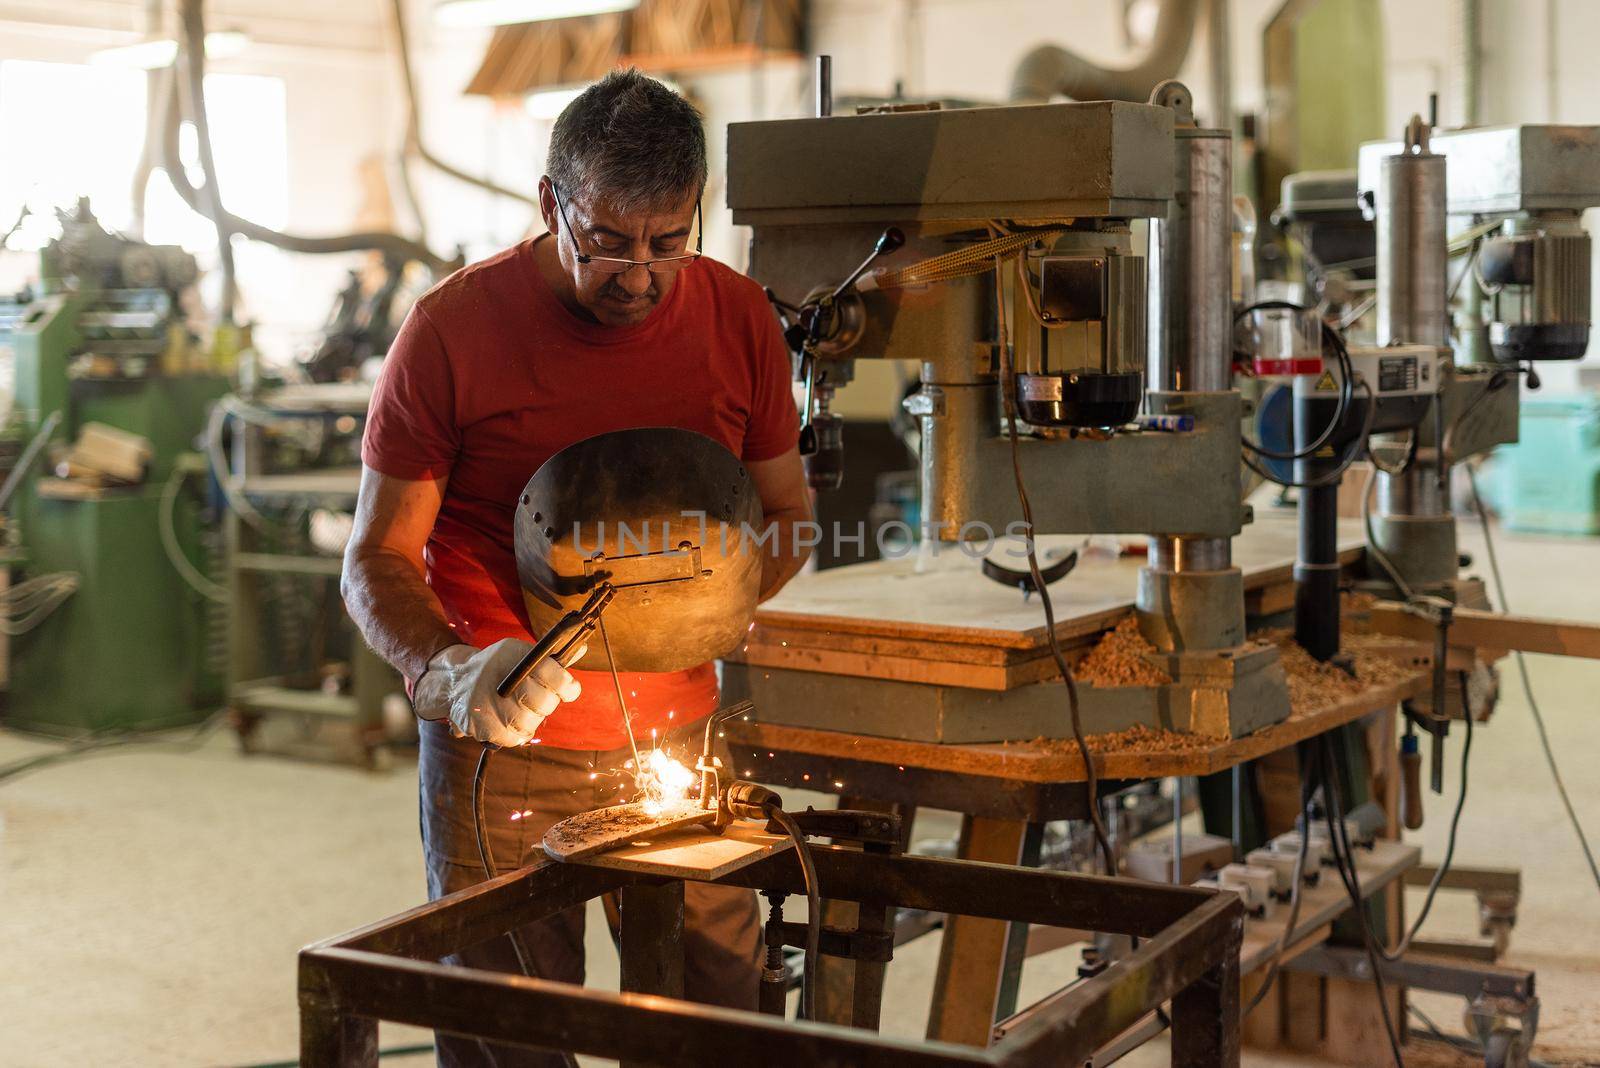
x=630 y=141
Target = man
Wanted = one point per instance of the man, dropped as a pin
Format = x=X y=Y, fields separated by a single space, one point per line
x=611 y=320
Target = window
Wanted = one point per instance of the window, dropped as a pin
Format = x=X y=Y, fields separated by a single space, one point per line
x=72 y=130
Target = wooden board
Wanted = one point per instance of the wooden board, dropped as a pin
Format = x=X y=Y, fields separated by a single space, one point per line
x=694 y=853
x=1494 y=630
x=1056 y=762
x=935 y=620
x=942 y=596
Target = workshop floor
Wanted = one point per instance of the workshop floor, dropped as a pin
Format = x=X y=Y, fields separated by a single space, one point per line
x=152 y=900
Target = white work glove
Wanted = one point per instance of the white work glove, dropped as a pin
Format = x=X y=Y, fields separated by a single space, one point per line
x=460 y=682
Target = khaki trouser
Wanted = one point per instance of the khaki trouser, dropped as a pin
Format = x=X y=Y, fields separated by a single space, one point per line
x=722 y=932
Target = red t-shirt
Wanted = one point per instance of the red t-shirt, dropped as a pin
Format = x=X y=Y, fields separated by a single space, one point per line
x=490 y=376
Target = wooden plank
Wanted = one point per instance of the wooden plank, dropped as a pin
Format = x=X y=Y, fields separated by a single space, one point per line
x=1494 y=630
x=923 y=670
x=941 y=595
x=1269 y=600
x=1059 y=762
x=974 y=953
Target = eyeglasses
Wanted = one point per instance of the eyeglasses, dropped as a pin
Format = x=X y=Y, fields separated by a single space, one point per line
x=614 y=265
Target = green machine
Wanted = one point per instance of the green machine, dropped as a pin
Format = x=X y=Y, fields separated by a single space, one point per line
x=105 y=632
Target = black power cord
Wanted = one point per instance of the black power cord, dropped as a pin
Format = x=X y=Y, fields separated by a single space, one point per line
x=1307 y=790
x=1344 y=863
x=1450 y=842
x=813 y=946
x=486 y=857
x=1008 y=380
x=1330 y=340
x=1337 y=474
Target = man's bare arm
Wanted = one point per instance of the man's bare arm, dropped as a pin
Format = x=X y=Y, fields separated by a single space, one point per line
x=785 y=501
x=383 y=581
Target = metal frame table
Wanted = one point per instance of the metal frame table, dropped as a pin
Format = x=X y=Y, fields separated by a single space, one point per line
x=1189 y=954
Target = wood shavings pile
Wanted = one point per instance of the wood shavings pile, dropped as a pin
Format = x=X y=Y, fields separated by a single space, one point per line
x=1119 y=660
x=1136 y=739
x=1314 y=685
x=1142 y=739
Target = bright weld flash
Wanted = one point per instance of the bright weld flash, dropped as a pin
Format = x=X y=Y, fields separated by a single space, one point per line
x=663 y=783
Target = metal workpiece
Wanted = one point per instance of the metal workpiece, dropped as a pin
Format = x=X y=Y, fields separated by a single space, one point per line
x=1412 y=254
x=1190 y=333
x=1151 y=482
x=1047 y=161
x=1507 y=170
x=1188 y=953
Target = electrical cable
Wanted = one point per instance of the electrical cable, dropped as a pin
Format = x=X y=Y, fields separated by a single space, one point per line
x=486 y=858
x=1008 y=389
x=1527 y=683
x=813 y=946
x=1344 y=863
x=198 y=581
x=1330 y=339
x=1373 y=549
x=28 y=604
x=1306 y=793
x=98 y=743
x=222 y=471
x=1496 y=382
x=1462 y=1042
x=1450 y=842
x=391 y=1051
x=1337 y=474
x=961 y=263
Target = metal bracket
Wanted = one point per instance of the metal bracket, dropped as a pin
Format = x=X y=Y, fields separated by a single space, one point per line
x=645 y=569
x=842 y=824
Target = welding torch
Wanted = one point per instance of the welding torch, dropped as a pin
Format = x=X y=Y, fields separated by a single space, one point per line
x=563 y=642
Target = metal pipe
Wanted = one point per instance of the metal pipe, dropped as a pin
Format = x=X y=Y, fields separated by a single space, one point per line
x=824 y=86
x=1219 y=55
x=1413 y=308
x=1189 y=328
x=1050 y=70
x=1412 y=255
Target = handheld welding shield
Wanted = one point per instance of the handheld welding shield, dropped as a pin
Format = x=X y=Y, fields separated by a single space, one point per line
x=669 y=518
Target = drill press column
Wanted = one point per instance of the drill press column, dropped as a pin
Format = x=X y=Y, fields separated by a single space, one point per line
x=1413 y=525
x=1191 y=596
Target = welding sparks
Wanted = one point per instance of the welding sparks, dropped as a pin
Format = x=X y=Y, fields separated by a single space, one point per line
x=663 y=783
